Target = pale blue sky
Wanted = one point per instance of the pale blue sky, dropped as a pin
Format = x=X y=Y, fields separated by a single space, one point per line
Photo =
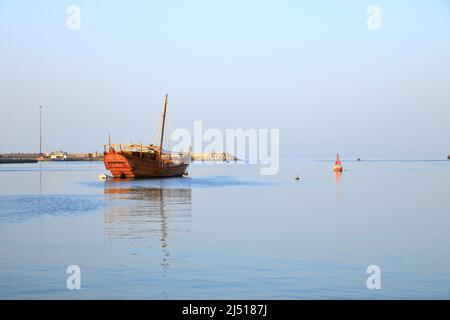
x=310 y=68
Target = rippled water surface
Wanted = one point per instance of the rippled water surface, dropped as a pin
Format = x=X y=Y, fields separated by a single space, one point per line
x=227 y=232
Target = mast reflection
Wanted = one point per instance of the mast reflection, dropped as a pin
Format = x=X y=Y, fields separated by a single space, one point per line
x=146 y=213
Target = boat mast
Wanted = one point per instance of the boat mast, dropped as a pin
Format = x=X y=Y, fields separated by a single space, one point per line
x=163 y=123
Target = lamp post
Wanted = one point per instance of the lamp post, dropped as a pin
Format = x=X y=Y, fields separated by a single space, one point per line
x=40 y=131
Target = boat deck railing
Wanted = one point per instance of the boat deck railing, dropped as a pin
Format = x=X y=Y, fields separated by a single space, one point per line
x=131 y=147
x=168 y=157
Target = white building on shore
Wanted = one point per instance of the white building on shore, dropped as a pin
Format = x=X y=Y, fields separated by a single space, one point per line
x=57 y=155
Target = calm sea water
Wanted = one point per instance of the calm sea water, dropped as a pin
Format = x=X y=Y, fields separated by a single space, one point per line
x=226 y=232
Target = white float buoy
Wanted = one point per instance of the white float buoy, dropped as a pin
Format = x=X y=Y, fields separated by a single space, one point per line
x=103 y=177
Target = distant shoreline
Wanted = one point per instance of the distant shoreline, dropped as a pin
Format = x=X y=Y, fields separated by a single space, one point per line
x=35 y=157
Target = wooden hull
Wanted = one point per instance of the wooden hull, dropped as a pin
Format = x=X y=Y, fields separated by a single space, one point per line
x=135 y=165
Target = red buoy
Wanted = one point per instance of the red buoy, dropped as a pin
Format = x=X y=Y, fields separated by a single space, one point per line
x=337 y=164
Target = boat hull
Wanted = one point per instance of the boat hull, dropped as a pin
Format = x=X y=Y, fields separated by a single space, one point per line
x=131 y=165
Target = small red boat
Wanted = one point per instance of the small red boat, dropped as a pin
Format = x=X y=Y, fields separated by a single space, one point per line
x=337 y=164
x=138 y=161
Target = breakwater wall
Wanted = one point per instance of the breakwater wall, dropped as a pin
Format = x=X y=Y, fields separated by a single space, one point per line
x=213 y=156
x=35 y=157
x=18 y=158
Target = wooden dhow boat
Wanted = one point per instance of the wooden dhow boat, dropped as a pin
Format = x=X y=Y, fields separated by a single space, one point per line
x=139 y=161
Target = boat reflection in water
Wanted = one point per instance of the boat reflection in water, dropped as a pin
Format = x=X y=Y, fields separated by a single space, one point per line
x=148 y=213
x=338 y=177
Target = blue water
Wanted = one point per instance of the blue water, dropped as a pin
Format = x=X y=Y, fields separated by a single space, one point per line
x=225 y=232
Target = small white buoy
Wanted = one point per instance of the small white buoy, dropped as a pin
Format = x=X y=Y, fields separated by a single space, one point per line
x=103 y=177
